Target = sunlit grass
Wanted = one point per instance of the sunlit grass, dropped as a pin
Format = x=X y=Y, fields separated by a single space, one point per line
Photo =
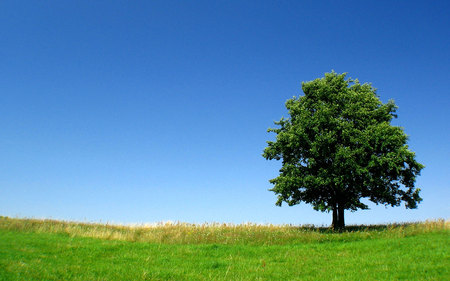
x=215 y=233
x=32 y=249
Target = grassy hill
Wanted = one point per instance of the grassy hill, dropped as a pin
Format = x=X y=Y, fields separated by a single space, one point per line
x=56 y=250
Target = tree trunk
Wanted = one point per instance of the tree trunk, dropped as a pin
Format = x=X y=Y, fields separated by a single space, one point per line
x=338 y=217
x=341 y=217
x=334 y=224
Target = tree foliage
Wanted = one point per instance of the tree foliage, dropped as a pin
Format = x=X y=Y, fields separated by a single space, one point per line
x=338 y=146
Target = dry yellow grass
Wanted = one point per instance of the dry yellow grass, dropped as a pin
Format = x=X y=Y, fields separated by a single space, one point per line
x=184 y=233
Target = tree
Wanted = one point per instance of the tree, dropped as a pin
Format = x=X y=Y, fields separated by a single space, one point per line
x=338 y=146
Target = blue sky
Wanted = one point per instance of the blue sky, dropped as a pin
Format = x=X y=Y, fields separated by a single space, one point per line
x=144 y=111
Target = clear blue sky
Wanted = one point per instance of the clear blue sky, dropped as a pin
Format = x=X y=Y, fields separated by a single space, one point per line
x=144 y=111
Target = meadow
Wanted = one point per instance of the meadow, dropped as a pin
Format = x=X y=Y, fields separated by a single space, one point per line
x=32 y=249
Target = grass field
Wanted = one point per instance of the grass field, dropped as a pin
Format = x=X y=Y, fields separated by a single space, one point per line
x=55 y=250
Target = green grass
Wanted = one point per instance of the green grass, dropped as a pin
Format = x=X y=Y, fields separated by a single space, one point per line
x=52 y=250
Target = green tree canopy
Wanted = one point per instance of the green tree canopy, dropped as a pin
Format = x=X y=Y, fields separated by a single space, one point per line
x=338 y=146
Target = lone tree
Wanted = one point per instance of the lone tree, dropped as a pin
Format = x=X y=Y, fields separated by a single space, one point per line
x=338 y=147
